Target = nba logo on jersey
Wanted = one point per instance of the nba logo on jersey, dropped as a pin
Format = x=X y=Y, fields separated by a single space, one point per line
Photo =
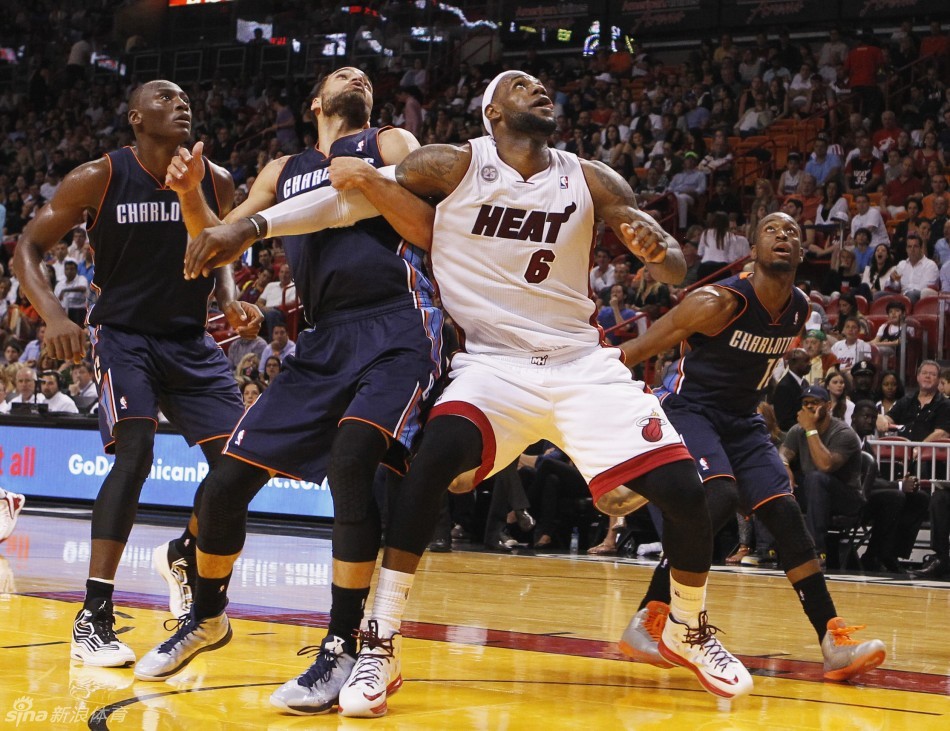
x=359 y=145
x=563 y=182
x=123 y=404
x=239 y=438
x=703 y=464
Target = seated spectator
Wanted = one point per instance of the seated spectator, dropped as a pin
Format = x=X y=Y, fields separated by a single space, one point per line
x=829 y=465
x=838 y=388
x=810 y=195
x=843 y=272
x=916 y=276
x=895 y=508
x=248 y=368
x=938 y=187
x=688 y=186
x=271 y=369
x=282 y=345
x=833 y=206
x=904 y=186
x=906 y=226
x=616 y=312
x=55 y=399
x=821 y=362
x=864 y=172
x=31 y=353
x=848 y=308
x=651 y=296
x=938 y=227
x=869 y=217
x=823 y=165
x=794 y=206
x=251 y=390
x=724 y=200
x=889 y=392
x=877 y=274
x=755 y=119
x=718 y=246
x=278 y=297
x=83 y=385
x=791 y=178
x=27 y=390
x=72 y=292
x=718 y=161
x=862 y=382
x=602 y=274
x=925 y=417
x=888 y=336
x=851 y=349
x=253 y=288
x=690 y=247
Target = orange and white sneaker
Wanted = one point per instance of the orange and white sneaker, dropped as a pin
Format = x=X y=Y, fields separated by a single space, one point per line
x=375 y=677
x=844 y=657
x=697 y=649
x=639 y=640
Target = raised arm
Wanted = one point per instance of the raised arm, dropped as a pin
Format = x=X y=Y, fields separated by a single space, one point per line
x=79 y=194
x=616 y=204
x=707 y=311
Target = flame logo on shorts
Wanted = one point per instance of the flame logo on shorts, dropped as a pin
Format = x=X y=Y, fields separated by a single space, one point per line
x=652 y=427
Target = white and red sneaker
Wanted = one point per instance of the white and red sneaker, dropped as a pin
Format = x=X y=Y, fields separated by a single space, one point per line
x=375 y=677
x=697 y=649
x=11 y=503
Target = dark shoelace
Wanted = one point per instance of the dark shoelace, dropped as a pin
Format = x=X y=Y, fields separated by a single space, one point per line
x=705 y=636
x=322 y=668
x=103 y=623
x=370 y=666
x=182 y=626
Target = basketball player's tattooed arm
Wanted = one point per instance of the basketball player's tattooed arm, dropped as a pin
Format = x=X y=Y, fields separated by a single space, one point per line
x=78 y=198
x=434 y=171
x=707 y=310
x=615 y=203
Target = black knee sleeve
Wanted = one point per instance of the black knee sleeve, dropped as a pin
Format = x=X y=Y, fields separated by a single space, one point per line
x=357 y=451
x=117 y=502
x=450 y=446
x=722 y=497
x=784 y=520
x=213 y=455
x=677 y=491
x=225 y=494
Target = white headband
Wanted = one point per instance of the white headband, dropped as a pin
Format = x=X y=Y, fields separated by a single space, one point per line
x=490 y=93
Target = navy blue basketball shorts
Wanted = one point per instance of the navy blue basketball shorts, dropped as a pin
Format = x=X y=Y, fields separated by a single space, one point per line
x=724 y=445
x=187 y=378
x=372 y=365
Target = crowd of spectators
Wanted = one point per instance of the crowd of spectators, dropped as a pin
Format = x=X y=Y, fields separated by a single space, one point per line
x=870 y=189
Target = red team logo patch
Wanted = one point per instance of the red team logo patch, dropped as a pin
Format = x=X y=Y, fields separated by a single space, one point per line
x=651 y=427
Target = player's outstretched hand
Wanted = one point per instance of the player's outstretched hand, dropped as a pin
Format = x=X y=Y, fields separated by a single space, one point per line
x=646 y=238
x=244 y=318
x=186 y=170
x=65 y=340
x=349 y=172
x=217 y=246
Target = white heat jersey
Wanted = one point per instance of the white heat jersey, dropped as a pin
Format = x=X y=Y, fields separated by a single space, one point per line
x=511 y=257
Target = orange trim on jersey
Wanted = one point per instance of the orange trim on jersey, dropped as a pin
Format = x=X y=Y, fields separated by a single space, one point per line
x=745 y=306
x=716 y=477
x=270 y=470
x=95 y=220
x=161 y=185
x=636 y=467
x=226 y=435
x=774 y=321
x=773 y=497
x=388 y=435
x=475 y=415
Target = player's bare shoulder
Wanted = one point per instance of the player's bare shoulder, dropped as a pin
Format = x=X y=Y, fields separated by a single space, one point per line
x=709 y=308
x=434 y=170
x=84 y=186
x=395 y=144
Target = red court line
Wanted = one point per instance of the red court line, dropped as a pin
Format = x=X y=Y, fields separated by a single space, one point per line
x=881 y=678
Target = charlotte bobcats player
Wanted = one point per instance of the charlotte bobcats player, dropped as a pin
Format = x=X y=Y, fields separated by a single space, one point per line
x=510 y=244
x=349 y=399
x=150 y=346
x=733 y=335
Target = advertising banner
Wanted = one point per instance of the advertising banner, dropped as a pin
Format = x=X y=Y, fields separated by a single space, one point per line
x=47 y=461
x=656 y=17
x=793 y=13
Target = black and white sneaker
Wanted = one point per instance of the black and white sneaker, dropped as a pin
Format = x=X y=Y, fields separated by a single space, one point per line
x=94 y=641
x=181 y=575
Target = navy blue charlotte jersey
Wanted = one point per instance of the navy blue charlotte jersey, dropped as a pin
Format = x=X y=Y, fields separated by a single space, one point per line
x=139 y=240
x=357 y=266
x=727 y=371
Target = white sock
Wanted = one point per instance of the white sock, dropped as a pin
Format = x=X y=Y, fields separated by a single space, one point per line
x=686 y=602
x=389 y=602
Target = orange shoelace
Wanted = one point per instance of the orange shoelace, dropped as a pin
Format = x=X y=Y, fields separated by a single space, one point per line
x=842 y=636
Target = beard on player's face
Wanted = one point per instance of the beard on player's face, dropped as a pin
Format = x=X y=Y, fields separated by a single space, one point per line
x=351 y=105
x=531 y=124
